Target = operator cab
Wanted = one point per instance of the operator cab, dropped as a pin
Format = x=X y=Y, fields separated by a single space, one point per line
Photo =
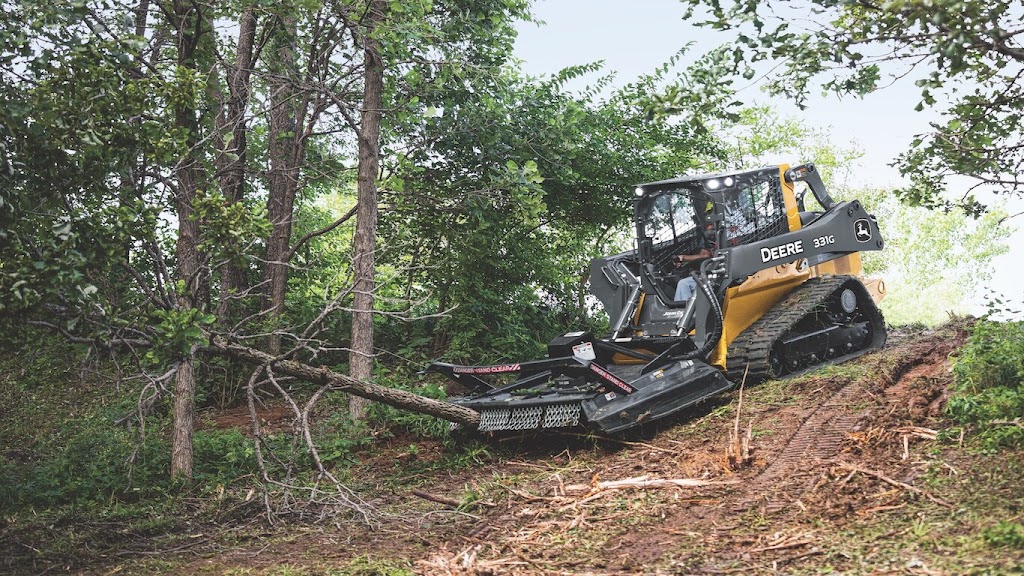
x=718 y=211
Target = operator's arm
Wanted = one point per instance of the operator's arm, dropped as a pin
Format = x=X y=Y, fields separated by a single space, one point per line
x=704 y=253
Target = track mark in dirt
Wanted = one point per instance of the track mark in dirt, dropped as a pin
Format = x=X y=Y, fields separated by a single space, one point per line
x=820 y=436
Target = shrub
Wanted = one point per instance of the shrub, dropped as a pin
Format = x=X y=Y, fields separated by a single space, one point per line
x=220 y=457
x=989 y=381
x=93 y=462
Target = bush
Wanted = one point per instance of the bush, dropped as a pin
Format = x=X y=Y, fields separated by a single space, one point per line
x=221 y=457
x=989 y=381
x=93 y=462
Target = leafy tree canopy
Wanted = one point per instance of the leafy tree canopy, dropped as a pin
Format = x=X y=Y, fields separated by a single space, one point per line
x=967 y=56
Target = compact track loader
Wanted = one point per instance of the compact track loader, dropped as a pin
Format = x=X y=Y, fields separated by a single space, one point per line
x=781 y=293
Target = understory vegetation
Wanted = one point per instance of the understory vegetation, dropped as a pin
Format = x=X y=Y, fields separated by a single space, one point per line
x=989 y=392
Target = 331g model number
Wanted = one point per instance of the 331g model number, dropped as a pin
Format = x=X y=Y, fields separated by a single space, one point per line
x=822 y=241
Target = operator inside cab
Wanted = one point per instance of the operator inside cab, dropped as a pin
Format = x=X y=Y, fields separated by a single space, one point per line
x=687 y=285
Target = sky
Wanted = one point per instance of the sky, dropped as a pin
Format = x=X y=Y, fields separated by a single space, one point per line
x=633 y=38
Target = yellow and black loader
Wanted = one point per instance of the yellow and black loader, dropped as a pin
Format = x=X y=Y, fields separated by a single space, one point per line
x=780 y=291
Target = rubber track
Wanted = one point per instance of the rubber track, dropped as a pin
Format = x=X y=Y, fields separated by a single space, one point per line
x=754 y=345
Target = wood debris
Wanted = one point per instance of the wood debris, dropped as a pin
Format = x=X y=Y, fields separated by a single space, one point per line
x=738 y=449
x=644 y=482
x=858 y=470
x=780 y=541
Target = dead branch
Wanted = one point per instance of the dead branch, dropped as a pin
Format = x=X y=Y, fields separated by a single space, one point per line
x=645 y=482
x=344 y=218
x=738 y=450
x=436 y=498
x=918 y=431
x=897 y=483
x=220 y=346
x=1015 y=422
x=782 y=542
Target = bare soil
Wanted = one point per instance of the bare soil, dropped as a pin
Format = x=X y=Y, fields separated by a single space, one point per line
x=853 y=471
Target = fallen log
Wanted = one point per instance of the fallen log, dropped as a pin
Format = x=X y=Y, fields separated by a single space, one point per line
x=220 y=346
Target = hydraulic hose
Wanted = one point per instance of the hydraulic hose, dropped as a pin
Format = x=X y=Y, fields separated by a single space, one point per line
x=702 y=352
x=715 y=335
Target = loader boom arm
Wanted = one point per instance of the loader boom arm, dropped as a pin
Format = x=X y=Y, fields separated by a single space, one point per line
x=807 y=173
x=843 y=229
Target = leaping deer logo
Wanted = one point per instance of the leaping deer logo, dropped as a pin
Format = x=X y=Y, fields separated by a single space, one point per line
x=862 y=230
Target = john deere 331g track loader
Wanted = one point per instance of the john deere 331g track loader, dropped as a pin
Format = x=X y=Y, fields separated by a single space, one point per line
x=782 y=292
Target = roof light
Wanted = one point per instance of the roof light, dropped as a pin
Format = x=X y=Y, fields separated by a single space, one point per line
x=713 y=184
x=638 y=191
x=728 y=181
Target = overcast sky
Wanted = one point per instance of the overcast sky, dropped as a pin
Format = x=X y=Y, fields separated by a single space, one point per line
x=635 y=37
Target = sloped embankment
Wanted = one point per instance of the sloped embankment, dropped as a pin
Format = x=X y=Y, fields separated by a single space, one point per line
x=847 y=474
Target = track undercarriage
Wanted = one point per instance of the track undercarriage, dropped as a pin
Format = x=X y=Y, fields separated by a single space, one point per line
x=827 y=320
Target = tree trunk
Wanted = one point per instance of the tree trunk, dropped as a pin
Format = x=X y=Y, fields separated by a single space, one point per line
x=285 y=151
x=364 y=244
x=189 y=24
x=184 y=419
x=231 y=160
x=322 y=375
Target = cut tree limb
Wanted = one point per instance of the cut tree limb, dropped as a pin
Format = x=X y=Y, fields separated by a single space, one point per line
x=897 y=483
x=645 y=482
x=436 y=498
x=322 y=375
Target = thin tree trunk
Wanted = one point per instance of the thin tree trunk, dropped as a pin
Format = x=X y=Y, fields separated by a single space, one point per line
x=184 y=419
x=364 y=243
x=285 y=150
x=231 y=160
x=188 y=23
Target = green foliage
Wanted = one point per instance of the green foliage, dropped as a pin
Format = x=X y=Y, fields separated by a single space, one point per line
x=967 y=53
x=499 y=224
x=64 y=447
x=419 y=425
x=338 y=439
x=228 y=228
x=92 y=462
x=989 y=382
x=178 y=331
x=1004 y=535
x=222 y=457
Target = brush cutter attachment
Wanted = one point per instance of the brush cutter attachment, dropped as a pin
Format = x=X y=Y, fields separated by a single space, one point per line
x=567 y=391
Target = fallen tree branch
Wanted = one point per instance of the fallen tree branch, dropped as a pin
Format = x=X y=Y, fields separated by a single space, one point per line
x=784 y=542
x=919 y=431
x=896 y=483
x=645 y=482
x=436 y=498
x=220 y=346
x=1015 y=422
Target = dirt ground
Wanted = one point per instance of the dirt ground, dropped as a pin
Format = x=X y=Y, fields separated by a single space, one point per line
x=851 y=470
